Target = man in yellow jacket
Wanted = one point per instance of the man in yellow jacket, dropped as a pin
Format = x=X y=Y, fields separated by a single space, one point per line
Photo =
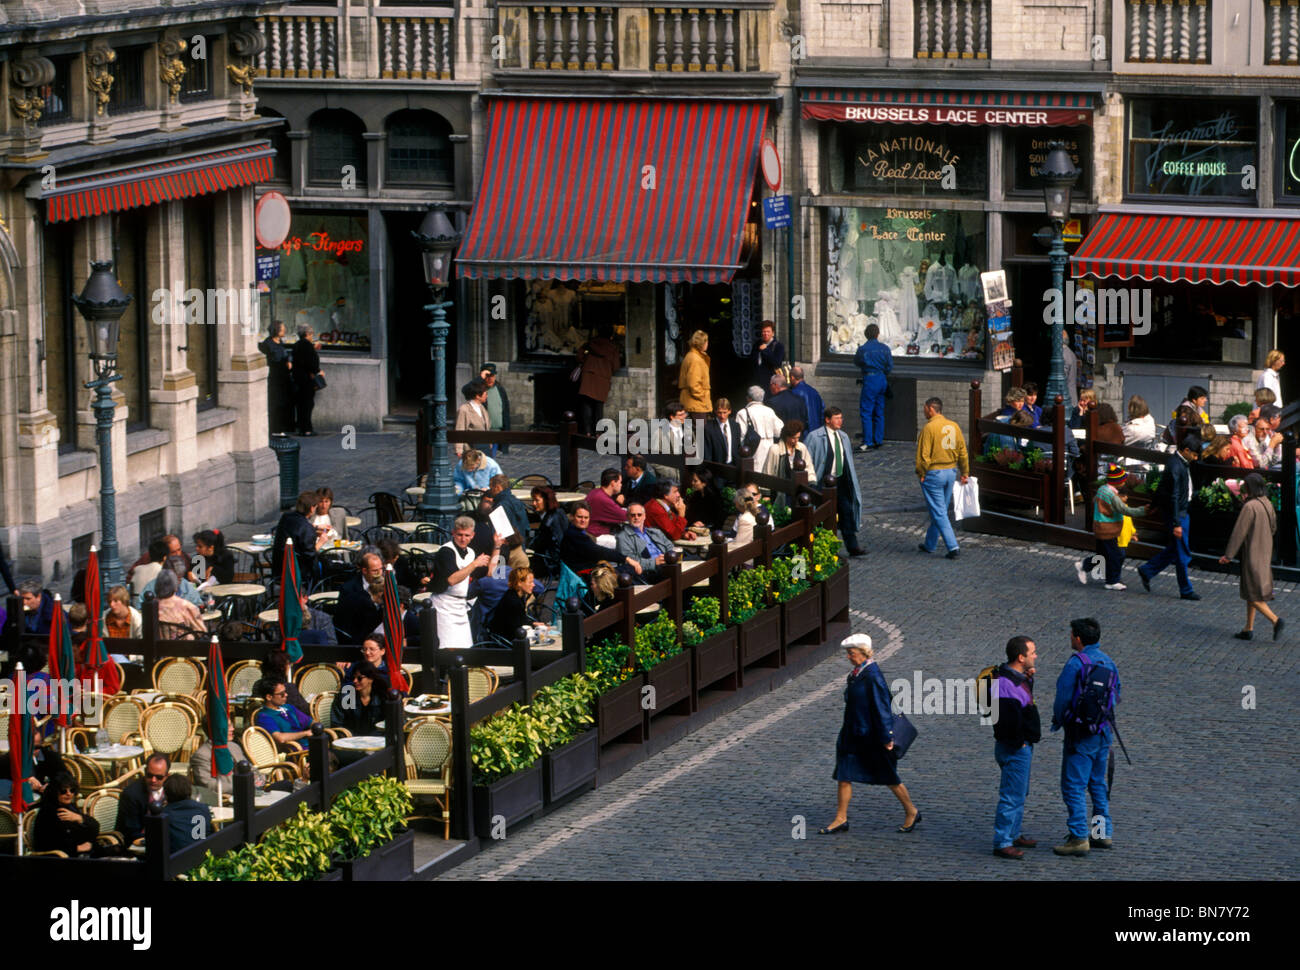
x=940 y=460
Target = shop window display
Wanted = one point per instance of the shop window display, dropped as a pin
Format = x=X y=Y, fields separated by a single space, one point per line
x=915 y=273
x=1198 y=323
x=1192 y=148
x=324 y=281
x=1288 y=143
x=559 y=317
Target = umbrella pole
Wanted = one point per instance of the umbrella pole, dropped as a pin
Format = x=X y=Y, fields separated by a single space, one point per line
x=20 y=828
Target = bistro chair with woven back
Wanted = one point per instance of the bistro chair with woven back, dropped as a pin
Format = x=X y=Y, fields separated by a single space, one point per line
x=317 y=679
x=264 y=755
x=102 y=807
x=121 y=717
x=483 y=682
x=170 y=728
x=179 y=675
x=321 y=710
x=428 y=767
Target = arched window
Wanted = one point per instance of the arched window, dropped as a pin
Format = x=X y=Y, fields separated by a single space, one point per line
x=336 y=142
x=419 y=149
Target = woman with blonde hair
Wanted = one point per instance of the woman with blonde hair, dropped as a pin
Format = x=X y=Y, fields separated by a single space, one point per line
x=602 y=582
x=1140 y=428
x=1273 y=363
x=693 y=378
x=862 y=750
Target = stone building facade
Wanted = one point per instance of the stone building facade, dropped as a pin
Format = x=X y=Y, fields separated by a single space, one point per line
x=133 y=137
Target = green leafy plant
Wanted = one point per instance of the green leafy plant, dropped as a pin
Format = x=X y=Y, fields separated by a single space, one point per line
x=824 y=556
x=782 y=515
x=608 y=661
x=1232 y=410
x=789 y=577
x=1215 y=497
x=515 y=738
x=701 y=619
x=657 y=641
x=747 y=593
x=308 y=844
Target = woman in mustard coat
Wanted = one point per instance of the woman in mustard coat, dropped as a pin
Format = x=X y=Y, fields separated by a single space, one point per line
x=693 y=378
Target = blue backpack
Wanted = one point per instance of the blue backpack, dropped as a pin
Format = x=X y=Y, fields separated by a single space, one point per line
x=1093 y=703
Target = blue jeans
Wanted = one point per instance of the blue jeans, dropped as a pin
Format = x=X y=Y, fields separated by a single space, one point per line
x=1083 y=769
x=1114 y=557
x=937 y=489
x=1013 y=791
x=1176 y=552
x=871 y=405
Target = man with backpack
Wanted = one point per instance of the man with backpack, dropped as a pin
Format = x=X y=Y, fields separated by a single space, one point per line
x=1086 y=694
x=1016 y=729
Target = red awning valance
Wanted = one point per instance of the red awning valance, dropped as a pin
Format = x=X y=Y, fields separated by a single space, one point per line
x=912 y=107
x=1198 y=249
x=179 y=177
x=607 y=189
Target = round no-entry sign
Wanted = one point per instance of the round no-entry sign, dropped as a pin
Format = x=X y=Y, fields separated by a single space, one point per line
x=770 y=161
x=271 y=220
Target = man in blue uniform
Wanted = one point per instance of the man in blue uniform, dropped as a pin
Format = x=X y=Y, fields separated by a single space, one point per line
x=813 y=400
x=875 y=362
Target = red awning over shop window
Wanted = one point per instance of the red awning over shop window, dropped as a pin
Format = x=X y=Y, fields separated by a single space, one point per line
x=179 y=177
x=1004 y=108
x=620 y=190
x=1198 y=249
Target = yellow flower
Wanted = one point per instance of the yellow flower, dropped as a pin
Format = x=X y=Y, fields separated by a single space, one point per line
x=817 y=569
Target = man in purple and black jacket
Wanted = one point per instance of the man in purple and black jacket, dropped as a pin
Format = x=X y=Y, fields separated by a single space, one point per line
x=1016 y=729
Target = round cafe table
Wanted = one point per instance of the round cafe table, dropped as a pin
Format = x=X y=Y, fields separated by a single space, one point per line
x=405 y=526
x=421 y=597
x=425 y=547
x=235 y=589
x=364 y=743
x=351 y=521
x=115 y=752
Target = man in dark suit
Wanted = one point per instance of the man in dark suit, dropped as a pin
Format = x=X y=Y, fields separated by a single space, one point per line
x=188 y=821
x=768 y=355
x=1175 y=498
x=136 y=798
x=357 y=613
x=638 y=480
x=722 y=440
x=787 y=405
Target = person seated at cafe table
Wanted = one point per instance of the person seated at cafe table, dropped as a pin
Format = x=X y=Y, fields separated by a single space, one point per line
x=550 y=531
x=288 y=726
x=61 y=826
x=667 y=511
x=276 y=664
x=374 y=650
x=579 y=551
x=181 y=616
x=640 y=546
x=517 y=513
x=121 y=620
x=474 y=471
x=201 y=762
x=218 y=561
x=359 y=705
x=358 y=613
x=188 y=820
x=606 y=504
x=46 y=764
x=133 y=805
x=511 y=612
x=38 y=606
x=329 y=523
x=186 y=590
x=317 y=625
x=704 y=506
x=296 y=525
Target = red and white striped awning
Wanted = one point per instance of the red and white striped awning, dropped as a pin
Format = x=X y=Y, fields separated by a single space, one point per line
x=178 y=177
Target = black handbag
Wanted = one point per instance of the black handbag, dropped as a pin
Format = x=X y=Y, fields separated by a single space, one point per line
x=319 y=381
x=904 y=735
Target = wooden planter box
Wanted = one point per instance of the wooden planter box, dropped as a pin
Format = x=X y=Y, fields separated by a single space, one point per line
x=671 y=680
x=334 y=875
x=1006 y=487
x=392 y=862
x=715 y=660
x=571 y=767
x=801 y=617
x=1209 y=530
x=759 y=639
x=619 y=713
x=835 y=597
x=515 y=797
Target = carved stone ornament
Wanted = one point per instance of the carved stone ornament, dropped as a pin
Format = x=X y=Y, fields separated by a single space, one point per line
x=28 y=74
x=99 y=59
x=242 y=74
x=171 y=69
x=243 y=45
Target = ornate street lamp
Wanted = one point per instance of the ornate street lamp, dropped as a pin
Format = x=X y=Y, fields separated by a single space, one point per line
x=437 y=238
x=1058 y=175
x=102 y=302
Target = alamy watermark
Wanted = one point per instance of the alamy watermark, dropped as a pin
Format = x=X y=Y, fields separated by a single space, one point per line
x=651 y=436
x=39 y=698
x=179 y=306
x=951 y=695
x=1104 y=305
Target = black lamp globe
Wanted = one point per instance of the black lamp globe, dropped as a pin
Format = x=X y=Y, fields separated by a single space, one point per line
x=1059 y=177
x=437 y=238
x=102 y=302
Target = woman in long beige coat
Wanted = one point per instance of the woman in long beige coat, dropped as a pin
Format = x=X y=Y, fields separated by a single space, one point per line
x=693 y=378
x=1252 y=536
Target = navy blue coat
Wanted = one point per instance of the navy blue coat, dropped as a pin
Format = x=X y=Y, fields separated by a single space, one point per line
x=860 y=753
x=1171 y=494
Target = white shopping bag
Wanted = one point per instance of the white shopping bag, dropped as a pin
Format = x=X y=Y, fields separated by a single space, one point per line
x=966 y=499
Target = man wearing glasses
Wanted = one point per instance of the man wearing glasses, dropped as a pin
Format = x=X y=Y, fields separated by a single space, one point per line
x=136 y=798
x=289 y=726
x=641 y=546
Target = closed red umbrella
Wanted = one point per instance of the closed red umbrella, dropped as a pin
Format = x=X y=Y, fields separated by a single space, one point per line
x=393 y=627
x=21 y=764
x=63 y=663
x=223 y=762
x=97 y=663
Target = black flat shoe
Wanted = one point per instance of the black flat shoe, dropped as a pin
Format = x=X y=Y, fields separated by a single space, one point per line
x=915 y=822
x=1277 y=627
x=920 y=547
x=1246 y=635
x=835 y=830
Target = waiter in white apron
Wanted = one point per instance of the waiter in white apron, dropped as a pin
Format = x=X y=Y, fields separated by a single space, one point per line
x=453 y=567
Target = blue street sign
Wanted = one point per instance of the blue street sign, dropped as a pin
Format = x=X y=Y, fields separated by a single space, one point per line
x=776 y=211
x=268 y=267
